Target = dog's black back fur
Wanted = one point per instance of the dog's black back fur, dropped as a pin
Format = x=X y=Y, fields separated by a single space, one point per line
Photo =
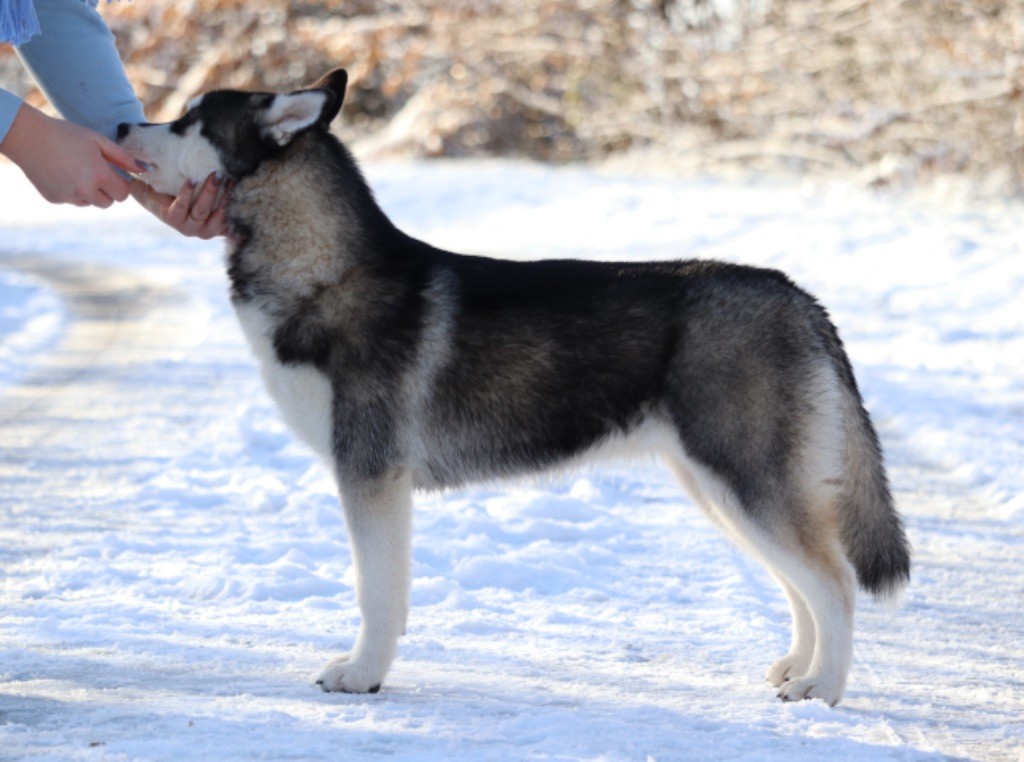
x=551 y=355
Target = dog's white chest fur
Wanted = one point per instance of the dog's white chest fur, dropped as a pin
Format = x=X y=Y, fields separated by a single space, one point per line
x=302 y=393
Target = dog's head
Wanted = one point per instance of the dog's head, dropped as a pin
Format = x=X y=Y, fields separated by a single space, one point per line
x=230 y=131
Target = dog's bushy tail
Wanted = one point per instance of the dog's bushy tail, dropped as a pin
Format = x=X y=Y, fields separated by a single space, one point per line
x=870 y=528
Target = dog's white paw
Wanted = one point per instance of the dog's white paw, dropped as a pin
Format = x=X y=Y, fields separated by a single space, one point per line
x=812 y=686
x=343 y=675
x=789 y=667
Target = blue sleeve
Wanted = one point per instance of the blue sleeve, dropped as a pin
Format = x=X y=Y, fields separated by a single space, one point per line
x=9 y=105
x=76 y=64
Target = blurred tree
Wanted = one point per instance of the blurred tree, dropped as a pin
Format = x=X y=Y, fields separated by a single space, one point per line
x=893 y=90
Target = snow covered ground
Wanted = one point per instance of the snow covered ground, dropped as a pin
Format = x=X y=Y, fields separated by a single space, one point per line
x=174 y=569
x=31 y=317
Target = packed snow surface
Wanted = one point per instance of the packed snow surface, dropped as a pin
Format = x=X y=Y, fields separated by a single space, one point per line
x=175 y=569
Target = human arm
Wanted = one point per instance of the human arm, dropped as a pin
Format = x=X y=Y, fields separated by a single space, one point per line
x=77 y=66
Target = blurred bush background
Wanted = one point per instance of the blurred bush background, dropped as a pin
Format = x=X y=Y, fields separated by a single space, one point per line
x=888 y=91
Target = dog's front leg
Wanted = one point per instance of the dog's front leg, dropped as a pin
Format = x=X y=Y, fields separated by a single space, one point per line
x=379 y=517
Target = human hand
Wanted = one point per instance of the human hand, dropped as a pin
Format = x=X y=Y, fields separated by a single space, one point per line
x=66 y=163
x=196 y=211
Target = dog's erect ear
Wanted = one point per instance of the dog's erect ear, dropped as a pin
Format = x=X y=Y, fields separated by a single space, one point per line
x=288 y=115
x=333 y=82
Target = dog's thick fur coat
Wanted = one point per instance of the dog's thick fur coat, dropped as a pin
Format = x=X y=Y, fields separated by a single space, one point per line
x=410 y=367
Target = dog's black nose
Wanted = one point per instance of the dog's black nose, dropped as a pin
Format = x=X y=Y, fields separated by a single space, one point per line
x=122 y=130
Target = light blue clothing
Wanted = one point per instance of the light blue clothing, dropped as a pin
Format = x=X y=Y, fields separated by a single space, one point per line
x=77 y=66
x=9 y=105
x=18 y=22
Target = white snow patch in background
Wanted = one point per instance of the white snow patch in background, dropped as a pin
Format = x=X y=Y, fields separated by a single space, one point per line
x=175 y=567
x=31 y=317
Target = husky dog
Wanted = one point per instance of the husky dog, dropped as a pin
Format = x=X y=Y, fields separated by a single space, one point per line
x=408 y=367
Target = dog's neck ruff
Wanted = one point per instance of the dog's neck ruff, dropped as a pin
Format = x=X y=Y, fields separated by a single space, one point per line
x=289 y=228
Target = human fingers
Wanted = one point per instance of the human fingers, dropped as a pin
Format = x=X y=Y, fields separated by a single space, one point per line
x=114 y=186
x=100 y=199
x=215 y=225
x=117 y=156
x=177 y=213
x=171 y=210
x=203 y=204
x=151 y=200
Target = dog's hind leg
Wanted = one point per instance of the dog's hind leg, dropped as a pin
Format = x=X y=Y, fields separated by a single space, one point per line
x=801 y=648
x=379 y=518
x=808 y=561
x=824 y=578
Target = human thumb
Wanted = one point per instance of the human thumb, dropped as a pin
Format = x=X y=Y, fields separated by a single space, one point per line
x=119 y=157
